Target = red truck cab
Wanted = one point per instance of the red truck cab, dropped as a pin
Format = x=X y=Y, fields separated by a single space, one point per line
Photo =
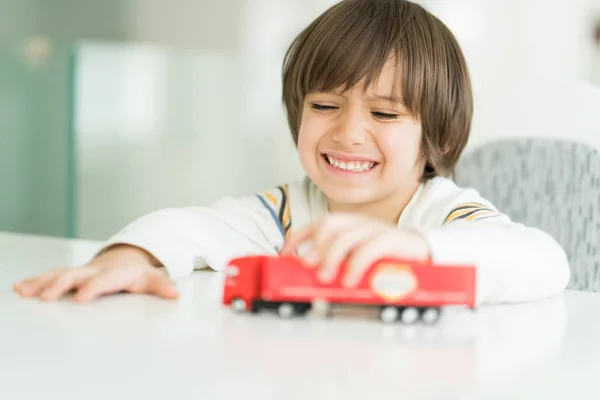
x=242 y=282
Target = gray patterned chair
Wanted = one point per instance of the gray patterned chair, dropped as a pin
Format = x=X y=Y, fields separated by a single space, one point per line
x=550 y=184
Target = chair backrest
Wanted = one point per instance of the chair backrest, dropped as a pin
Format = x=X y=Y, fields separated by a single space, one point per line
x=549 y=184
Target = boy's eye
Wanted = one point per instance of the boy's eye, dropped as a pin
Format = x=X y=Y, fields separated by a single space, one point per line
x=322 y=107
x=384 y=116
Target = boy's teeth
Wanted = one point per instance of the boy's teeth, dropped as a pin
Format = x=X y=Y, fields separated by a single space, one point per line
x=354 y=166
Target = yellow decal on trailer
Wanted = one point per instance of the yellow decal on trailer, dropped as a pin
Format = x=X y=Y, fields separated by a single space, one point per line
x=392 y=282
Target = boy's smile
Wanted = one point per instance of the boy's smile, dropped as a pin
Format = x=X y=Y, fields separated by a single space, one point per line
x=349 y=165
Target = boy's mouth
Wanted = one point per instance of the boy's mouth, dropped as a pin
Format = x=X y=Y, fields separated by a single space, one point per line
x=349 y=165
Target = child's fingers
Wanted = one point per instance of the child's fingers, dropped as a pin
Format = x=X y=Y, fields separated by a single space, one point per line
x=65 y=282
x=365 y=255
x=32 y=286
x=330 y=228
x=318 y=232
x=341 y=248
x=161 y=285
x=327 y=233
x=103 y=283
x=304 y=234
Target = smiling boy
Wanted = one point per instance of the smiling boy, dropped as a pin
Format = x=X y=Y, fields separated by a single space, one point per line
x=379 y=103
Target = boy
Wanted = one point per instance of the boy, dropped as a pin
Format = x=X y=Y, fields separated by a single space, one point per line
x=379 y=103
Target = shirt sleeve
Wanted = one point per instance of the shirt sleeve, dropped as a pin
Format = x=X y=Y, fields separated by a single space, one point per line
x=515 y=263
x=183 y=239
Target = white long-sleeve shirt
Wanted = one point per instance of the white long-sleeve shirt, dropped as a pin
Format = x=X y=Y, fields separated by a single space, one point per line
x=514 y=263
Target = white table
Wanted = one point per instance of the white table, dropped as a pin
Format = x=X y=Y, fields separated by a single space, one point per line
x=139 y=347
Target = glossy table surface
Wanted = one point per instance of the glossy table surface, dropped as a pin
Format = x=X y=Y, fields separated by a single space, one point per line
x=130 y=347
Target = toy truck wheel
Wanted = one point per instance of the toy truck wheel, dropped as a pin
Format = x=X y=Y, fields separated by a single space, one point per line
x=239 y=305
x=430 y=315
x=302 y=308
x=409 y=315
x=389 y=314
x=286 y=310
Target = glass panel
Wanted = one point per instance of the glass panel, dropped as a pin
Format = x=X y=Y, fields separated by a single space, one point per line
x=34 y=156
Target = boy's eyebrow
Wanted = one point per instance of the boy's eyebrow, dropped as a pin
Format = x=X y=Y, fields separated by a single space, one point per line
x=390 y=98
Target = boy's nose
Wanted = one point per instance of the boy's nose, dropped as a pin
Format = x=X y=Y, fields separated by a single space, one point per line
x=351 y=131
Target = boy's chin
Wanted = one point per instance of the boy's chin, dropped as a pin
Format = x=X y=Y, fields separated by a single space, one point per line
x=354 y=196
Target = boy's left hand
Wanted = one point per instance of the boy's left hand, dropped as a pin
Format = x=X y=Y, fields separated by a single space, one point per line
x=359 y=239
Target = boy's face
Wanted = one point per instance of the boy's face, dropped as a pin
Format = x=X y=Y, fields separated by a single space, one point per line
x=359 y=147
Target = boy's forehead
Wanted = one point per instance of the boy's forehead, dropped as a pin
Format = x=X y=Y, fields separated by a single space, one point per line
x=385 y=85
x=387 y=81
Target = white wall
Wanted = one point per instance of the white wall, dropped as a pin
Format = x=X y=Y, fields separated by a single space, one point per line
x=596 y=70
x=193 y=24
x=514 y=47
x=595 y=78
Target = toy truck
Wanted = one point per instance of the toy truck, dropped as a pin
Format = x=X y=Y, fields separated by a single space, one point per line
x=402 y=290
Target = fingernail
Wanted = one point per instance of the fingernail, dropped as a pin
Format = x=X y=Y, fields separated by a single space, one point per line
x=47 y=297
x=24 y=290
x=80 y=299
x=349 y=281
x=311 y=258
x=326 y=275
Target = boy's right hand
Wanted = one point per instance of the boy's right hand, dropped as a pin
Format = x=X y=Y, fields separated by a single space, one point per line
x=122 y=268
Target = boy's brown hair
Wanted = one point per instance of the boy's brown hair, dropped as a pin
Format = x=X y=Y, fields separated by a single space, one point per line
x=355 y=38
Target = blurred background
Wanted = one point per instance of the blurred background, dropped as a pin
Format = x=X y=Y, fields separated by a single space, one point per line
x=110 y=109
